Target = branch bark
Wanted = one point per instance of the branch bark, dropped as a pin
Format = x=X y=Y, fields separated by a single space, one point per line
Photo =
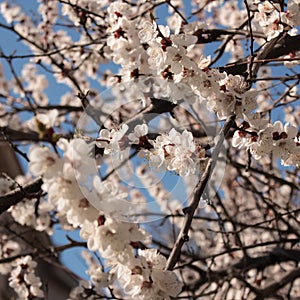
x=29 y=191
x=289 y=44
x=273 y=288
x=198 y=192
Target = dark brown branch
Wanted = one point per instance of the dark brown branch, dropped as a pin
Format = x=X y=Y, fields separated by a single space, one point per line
x=272 y=289
x=285 y=46
x=251 y=58
x=266 y=174
x=277 y=255
x=29 y=191
x=206 y=36
x=12 y=135
x=157 y=107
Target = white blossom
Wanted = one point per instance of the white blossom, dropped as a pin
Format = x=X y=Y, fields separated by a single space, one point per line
x=148 y=32
x=23 y=279
x=111 y=140
x=44 y=162
x=139 y=131
x=145 y=278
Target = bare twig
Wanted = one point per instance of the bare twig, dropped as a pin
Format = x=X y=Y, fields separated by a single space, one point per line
x=251 y=57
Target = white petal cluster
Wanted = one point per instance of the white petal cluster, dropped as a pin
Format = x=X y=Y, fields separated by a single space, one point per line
x=268 y=17
x=272 y=19
x=84 y=290
x=25 y=214
x=8 y=248
x=42 y=122
x=60 y=181
x=177 y=152
x=113 y=239
x=160 y=61
x=36 y=83
x=44 y=162
x=148 y=31
x=111 y=140
x=139 y=132
x=24 y=280
x=144 y=277
x=263 y=138
x=292 y=14
x=98 y=277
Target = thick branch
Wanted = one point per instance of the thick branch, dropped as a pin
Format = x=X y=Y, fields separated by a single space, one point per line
x=12 y=135
x=289 y=44
x=157 y=107
x=16 y=135
x=29 y=191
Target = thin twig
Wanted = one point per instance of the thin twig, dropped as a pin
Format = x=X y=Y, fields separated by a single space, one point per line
x=251 y=57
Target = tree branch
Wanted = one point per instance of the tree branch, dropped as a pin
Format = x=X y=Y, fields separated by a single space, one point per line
x=28 y=191
x=198 y=192
x=282 y=47
x=272 y=289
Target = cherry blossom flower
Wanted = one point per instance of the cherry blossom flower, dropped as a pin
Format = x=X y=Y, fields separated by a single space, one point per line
x=24 y=214
x=156 y=55
x=139 y=131
x=8 y=248
x=268 y=16
x=164 y=62
x=177 y=152
x=145 y=278
x=183 y=40
x=79 y=155
x=82 y=291
x=285 y=140
x=97 y=275
x=292 y=14
x=23 y=278
x=43 y=123
x=177 y=59
x=111 y=140
x=112 y=239
x=262 y=138
x=10 y=12
x=148 y=32
x=44 y=162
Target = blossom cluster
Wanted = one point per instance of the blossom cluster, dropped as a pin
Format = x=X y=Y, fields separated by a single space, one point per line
x=141 y=275
x=174 y=151
x=8 y=248
x=144 y=277
x=170 y=61
x=263 y=138
x=177 y=152
x=24 y=280
x=273 y=19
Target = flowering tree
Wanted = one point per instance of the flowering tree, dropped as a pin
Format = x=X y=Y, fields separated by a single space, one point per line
x=173 y=151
